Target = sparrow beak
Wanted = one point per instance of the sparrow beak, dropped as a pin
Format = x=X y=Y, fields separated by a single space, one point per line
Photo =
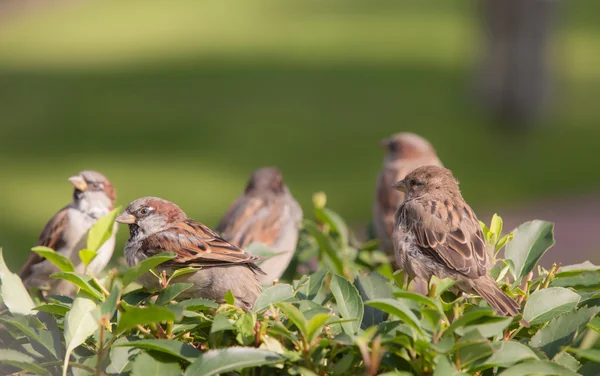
x=126 y=218
x=400 y=186
x=78 y=182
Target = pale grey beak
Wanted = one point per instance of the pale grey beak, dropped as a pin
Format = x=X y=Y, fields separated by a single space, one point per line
x=78 y=182
x=126 y=218
x=400 y=186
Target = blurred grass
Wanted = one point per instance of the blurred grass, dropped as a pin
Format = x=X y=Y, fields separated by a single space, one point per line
x=183 y=99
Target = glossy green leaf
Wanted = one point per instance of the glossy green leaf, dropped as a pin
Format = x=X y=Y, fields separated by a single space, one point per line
x=175 y=348
x=507 y=353
x=80 y=323
x=373 y=286
x=134 y=272
x=567 y=360
x=531 y=240
x=171 y=292
x=537 y=367
x=399 y=309
x=61 y=262
x=327 y=246
x=310 y=289
x=34 y=330
x=589 y=354
x=102 y=230
x=56 y=309
x=295 y=316
x=215 y=362
x=315 y=325
x=274 y=294
x=561 y=331
x=134 y=316
x=546 y=304
x=80 y=281
x=145 y=365
x=14 y=294
x=229 y=298
x=182 y=271
x=198 y=304
x=349 y=303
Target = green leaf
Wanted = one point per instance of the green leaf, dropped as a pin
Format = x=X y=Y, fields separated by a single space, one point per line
x=537 y=367
x=80 y=323
x=446 y=368
x=316 y=324
x=198 y=304
x=121 y=357
x=33 y=329
x=310 y=289
x=490 y=328
x=145 y=365
x=171 y=292
x=349 y=303
x=134 y=316
x=561 y=331
x=220 y=361
x=327 y=246
x=399 y=309
x=420 y=299
x=335 y=222
x=14 y=294
x=504 y=241
x=496 y=228
x=221 y=323
x=531 y=241
x=567 y=360
x=102 y=230
x=229 y=298
x=134 y=272
x=79 y=281
x=61 y=262
x=55 y=309
x=273 y=294
x=86 y=256
x=546 y=304
x=295 y=316
x=507 y=353
x=589 y=354
x=441 y=285
x=109 y=306
x=176 y=348
x=22 y=361
x=373 y=286
x=182 y=271
x=589 y=279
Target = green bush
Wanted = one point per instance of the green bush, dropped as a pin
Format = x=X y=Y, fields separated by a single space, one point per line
x=352 y=316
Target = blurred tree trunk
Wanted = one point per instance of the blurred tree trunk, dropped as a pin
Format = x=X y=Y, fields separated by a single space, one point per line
x=514 y=80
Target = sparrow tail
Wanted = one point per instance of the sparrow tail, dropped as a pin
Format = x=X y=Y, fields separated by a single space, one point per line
x=487 y=288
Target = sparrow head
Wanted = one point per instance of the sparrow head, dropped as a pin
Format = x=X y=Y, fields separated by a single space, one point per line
x=406 y=145
x=428 y=179
x=150 y=214
x=266 y=180
x=93 y=191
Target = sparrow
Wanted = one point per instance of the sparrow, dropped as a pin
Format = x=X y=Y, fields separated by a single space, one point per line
x=404 y=153
x=266 y=212
x=437 y=233
x=157 y=225
x=66 y=233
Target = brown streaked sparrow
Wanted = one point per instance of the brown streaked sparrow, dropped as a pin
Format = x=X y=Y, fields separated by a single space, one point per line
x=404 y=152
x=66 y=233
x=437 y=233
x=267 y=213
x=157 y=225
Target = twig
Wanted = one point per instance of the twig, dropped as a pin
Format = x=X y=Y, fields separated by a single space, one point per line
x=145 y=331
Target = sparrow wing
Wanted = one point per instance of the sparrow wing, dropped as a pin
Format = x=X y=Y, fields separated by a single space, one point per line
x=196 y=245
x=450 y=232
x=253 y=219
x=51 y=237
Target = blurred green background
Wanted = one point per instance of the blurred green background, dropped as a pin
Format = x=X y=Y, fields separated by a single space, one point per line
x=183 y=99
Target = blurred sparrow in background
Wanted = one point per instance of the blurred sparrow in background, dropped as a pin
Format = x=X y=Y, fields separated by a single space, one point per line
x=437 y=233
x=267 y=213
x=404 y=153
x=157 y=225
x=66 y=233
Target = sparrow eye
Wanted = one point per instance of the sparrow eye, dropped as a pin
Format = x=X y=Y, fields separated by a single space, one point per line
x=144 y=211
x=414 y=182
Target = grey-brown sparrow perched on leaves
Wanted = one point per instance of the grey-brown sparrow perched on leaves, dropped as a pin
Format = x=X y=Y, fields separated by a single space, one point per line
x=66 y=233
x=267 y=213
x=157 y=225
x=404 y=153
x=437 y=233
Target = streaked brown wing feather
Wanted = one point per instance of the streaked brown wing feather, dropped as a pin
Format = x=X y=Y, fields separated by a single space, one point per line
x=252 y=219
x=450 y=233
x=196 y=245
x=51 y=237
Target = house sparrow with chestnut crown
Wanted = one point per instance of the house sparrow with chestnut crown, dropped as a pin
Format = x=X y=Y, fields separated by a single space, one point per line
x=66 y=233
x=267 y=213
x=437 y=233
x=157 y=225
x=404 y=152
